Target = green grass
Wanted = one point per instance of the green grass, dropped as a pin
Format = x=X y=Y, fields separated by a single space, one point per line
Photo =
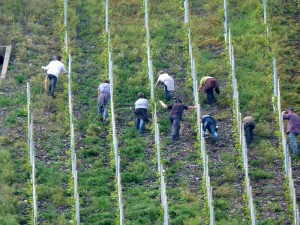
x=96 y=180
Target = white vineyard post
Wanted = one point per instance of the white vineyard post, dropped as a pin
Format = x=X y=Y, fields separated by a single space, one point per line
x=287 y=161
x=225 y=21
x=31 y=154
x=113 y=121
x=164 y=202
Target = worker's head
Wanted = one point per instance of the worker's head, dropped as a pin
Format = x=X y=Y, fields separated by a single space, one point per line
x=141 y=95
x=163 y=71
x=290 y=110
x=58 y=58
x=106 y=81
x=177 y=100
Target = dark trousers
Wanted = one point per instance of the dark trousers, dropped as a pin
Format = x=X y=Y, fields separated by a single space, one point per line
x=53 y=80
x=210 y=95
x=175 y=120
x=249 y=134
x=168 y=95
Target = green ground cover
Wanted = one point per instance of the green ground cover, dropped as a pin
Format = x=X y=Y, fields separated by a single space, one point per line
x=35 y=30
x=140 y=184
x=181 y=160
x=96 y=175
x=207 y=31
x=283 y=20
x=254 y=70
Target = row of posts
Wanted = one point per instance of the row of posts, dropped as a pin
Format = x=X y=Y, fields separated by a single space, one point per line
x=163 y=191
x=199 y=122
x=72 y=136
x=31 y=154
x=277 y=107
x=238 y=117
x=113 y=121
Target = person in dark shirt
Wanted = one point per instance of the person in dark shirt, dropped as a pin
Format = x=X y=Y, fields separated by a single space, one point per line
x=209 y=123
x=293 y=127
x=175 y=115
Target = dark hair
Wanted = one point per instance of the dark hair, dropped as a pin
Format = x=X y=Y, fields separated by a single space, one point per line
x=141 y=95
x=291 y=109
x=58 y=57
x=178 y=100
x=106 y=81
x=163 y=71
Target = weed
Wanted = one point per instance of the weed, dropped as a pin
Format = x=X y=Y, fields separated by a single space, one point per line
x=225 y=191
x=257 y=174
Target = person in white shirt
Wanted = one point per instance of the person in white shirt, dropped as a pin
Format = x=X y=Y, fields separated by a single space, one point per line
x=53 y=70
x=103 y=99
x=141 y=112
x=168 y=82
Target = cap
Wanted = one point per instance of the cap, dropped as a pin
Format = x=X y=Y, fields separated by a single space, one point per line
x=291 y=109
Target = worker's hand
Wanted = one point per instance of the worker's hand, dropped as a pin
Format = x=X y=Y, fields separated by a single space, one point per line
x=43 y=68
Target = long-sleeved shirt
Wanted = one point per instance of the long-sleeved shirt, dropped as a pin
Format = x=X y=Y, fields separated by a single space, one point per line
x=142 y=103
x=55 y=67
x=293 y=124
x=104 y=88
x=167 y=80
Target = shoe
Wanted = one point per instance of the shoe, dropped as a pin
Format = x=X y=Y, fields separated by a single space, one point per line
x=53 y=96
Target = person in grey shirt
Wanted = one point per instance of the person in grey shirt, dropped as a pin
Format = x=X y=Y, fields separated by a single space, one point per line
x=103 y=100
x=141 y=112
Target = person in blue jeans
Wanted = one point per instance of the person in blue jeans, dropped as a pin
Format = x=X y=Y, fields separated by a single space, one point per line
x=53 y=70
x=175 y=115
x=209 y=123
x=141 y=112
x=168 y=82
x=103 y=100
x=293 y=127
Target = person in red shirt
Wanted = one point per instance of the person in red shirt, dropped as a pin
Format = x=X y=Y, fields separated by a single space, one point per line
x=210 y=84
x=175 y=115
x=293 y=127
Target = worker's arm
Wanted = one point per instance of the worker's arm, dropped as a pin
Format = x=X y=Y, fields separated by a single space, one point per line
x=163 y=104
x=192 y=107
x=200 y=88
x=158 y=81
x=99 y=93
x=64 y=69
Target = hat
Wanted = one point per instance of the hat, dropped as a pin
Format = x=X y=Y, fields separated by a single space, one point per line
x=291 y=109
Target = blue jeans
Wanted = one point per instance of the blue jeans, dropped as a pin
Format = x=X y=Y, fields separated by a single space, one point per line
x=168 y=95
x=53 y=80
x=140 y=125
x=103 y=110
x=293 y=142
x=210 y=126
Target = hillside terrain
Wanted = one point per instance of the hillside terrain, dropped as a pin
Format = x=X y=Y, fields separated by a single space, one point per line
x=35 y=30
